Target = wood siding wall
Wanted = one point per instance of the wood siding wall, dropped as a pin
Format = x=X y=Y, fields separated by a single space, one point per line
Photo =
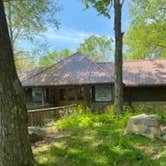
x=54 y=99
x=75 y=100
x=131 y=94
x=157 y=93
x=87 y=100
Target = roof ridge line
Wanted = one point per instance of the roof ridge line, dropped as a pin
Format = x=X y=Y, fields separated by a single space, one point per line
x=50 y=67
x=95 y=63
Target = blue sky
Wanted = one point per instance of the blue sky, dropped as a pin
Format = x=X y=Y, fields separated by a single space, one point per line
x=78 y=24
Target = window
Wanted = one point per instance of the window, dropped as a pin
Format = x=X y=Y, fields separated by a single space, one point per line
x=62 y=94
x=103 y=93
x=71 y=93
x=38 y=94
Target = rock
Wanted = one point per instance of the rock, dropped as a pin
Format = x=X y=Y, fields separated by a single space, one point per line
x=36 y=134
x=145 y=125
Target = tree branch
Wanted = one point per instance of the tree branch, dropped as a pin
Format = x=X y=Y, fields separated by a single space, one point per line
x=122 y=3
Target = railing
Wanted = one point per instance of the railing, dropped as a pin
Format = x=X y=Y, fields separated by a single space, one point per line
x=38 y=117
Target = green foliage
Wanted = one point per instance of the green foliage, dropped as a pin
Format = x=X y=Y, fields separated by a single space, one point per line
x=28 y=18
x=24 y=60
x=96 y=48
x=150 y=108
x=102 y=6
x=98 y=140
x=146 y=35
x=75 y=110
x=53 y=57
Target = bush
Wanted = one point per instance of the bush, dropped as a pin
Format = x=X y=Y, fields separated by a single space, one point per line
x=98 y=139
x=83 y=117
x=159 y=109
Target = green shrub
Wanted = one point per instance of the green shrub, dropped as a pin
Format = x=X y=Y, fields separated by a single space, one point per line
x=149 y=108
x=98 y=140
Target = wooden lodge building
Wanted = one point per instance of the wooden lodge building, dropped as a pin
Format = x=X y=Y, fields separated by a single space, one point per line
x=78 y=80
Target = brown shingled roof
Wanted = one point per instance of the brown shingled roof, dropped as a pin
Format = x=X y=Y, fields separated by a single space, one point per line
x=76 y=69
x=141 y=72
x=145 y=72
x=24 y=74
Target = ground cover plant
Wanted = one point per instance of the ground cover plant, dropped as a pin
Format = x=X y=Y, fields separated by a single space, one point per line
x=89 y=139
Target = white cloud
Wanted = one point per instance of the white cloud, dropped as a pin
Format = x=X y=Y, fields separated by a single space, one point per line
x=67 y=35
x=58 y=39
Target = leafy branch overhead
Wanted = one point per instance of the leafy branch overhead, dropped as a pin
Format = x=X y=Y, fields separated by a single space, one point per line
x=30 y=17
x=102 y=6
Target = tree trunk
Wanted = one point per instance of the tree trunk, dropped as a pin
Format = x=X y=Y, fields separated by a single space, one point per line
x=9 y=19
x=15 y=149
x=118 y=57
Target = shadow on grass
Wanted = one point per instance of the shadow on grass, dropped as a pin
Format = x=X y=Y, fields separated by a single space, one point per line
x=98 y=146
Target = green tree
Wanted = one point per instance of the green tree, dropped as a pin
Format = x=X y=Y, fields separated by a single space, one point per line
x=96 y=48
x=103 y=7
x=28 y=18
x=24 y=59
x=15 y=149
x=53 y=57
x=146 y=35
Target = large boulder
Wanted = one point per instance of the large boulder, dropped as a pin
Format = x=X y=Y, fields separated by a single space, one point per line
x=146 y=125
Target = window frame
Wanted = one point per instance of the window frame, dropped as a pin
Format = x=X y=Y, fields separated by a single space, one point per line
x=43 y=95
x=110 y=95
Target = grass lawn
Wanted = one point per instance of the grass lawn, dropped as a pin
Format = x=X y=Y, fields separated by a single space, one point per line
x=96 y=140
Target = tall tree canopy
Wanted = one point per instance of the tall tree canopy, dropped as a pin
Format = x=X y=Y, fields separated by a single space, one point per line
x=53 y=57
x=147 y=32
x=27 y=18
x=96 y=48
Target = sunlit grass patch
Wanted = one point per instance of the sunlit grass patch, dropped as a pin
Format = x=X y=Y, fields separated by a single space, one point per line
x=87 y=139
